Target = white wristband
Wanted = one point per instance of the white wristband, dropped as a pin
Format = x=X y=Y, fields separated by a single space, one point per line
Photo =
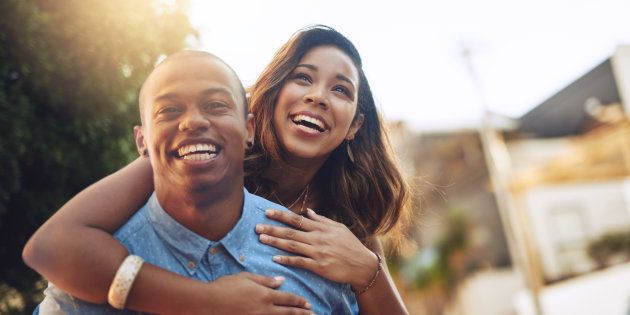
x=123 y=280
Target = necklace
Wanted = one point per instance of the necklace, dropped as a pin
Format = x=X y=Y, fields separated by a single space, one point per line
x=304 y=194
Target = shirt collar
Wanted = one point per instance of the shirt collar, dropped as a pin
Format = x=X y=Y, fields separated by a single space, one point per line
x=238 y=241
x=188 y=246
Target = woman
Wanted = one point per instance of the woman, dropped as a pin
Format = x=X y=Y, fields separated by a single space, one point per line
x=319 y=144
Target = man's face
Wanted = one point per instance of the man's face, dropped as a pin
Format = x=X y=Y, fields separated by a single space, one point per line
x=194 y=126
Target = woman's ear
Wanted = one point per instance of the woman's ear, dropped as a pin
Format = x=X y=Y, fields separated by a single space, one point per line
x=354 y=128
x=251 y=131
x=138 y=134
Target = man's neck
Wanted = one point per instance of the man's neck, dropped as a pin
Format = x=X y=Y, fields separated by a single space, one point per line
x=206 y=213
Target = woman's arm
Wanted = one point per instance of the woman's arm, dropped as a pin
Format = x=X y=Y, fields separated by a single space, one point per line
x=382 y=297
x=74 y=249
x=329 y=249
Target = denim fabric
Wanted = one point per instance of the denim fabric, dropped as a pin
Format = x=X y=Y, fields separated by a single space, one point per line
x=155 y=236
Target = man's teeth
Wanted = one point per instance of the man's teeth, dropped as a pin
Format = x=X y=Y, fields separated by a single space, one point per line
x=199 y=156
x=314 y=121
x=197 y=149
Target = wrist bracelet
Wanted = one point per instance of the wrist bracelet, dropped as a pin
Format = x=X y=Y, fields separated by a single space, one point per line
x=123 y=280
x=367 y=287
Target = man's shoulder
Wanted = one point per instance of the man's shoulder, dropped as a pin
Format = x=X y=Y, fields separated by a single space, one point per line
x=137 y=224
x=261 y=204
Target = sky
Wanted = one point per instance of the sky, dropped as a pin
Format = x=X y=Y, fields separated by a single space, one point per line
x=519 y=52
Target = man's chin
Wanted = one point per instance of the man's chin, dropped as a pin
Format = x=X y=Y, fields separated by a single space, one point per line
x=201 y=188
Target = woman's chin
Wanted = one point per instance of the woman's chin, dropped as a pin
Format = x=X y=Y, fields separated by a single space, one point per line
x=306 y=155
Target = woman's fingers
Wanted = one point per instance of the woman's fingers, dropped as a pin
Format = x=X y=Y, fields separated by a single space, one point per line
x=292 y=219
x=271 y=301
x=297 y=261
x=287 y=299
x=311 y=214
x=287 y=245
x=269 y=282
x=286 y=233
x=285 y=310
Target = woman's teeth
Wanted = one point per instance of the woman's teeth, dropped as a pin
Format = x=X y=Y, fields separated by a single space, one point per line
x=309 y=122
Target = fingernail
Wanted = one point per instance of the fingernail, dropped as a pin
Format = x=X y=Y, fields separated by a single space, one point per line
x=269 y=212
x=307 y=305
x=277 y=259
x=264 y=237
x=310 y=210
x=260 y=228
x=279 y=279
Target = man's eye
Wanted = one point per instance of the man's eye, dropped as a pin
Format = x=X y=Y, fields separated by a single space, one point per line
x=168 y=110
x=215 y=106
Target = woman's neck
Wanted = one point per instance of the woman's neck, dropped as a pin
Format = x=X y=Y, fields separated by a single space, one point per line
x=291 y=179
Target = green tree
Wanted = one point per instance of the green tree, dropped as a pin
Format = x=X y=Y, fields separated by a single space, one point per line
x=69 y=75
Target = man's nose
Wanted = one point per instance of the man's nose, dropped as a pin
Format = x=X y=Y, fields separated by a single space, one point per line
x=194 y=120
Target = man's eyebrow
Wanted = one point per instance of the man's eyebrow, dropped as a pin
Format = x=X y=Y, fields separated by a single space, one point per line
x=339 y=76
x=166 y=97
x=209 y=91
x=217 y=90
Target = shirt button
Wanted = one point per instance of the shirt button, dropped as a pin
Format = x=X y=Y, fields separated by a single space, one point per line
x=242 y=258
x=191 y=264
x=213 y=250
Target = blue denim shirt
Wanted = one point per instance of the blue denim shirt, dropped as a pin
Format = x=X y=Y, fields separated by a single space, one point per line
x=155 y=236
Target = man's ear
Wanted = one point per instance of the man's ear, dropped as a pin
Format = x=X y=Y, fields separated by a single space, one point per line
x=138 y=134
x=251 y=130
x=354 y=128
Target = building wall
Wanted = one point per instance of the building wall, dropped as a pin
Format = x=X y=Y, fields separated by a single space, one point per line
x=566 y=218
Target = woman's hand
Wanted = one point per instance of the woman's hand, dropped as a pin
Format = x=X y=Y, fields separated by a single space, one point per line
x=326 y=247
x=246 y=293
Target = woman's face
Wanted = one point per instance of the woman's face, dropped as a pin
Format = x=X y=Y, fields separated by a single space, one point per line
x=316 y=105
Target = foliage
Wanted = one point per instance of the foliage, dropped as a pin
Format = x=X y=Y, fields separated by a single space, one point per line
x=69 y=75
x=606 y=247
x=437 y=269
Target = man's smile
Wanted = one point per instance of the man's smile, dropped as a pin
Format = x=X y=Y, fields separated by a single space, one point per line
x=196 y=151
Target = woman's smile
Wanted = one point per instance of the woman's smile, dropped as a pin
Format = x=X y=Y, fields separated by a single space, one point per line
x=317 y=103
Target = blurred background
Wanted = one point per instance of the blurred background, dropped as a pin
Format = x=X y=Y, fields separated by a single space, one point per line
x=511 y=120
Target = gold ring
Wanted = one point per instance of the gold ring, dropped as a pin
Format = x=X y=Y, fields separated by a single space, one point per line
x=300 y=222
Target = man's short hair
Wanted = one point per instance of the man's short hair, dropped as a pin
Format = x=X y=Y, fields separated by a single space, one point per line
x=198 y=54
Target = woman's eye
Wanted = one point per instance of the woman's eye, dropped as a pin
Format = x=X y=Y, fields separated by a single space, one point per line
x=302 y=77
x=342 y=89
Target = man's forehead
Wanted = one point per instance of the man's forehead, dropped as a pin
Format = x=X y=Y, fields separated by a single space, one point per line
x=187 y=66
x=190 y=68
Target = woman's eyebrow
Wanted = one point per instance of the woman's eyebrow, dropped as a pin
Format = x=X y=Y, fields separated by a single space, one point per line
x=307 y=65
x=339 y=76
x=344 y=78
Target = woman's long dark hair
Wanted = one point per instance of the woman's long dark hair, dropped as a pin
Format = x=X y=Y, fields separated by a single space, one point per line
x=369 y=195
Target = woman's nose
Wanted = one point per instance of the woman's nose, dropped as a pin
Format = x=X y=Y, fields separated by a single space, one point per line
x=316 y=96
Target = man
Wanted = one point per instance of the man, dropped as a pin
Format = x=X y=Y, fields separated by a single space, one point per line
x=200 y=222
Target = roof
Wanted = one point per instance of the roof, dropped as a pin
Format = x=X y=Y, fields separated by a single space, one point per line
x=564 y=113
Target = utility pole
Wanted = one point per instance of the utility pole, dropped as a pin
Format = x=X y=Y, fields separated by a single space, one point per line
x=499 y=167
